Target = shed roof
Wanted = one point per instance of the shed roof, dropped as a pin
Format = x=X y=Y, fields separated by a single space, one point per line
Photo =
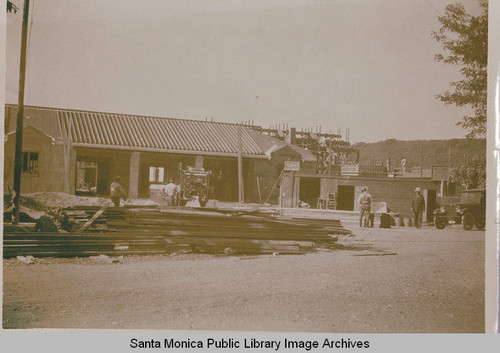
x=110 y=130
x=269 y=143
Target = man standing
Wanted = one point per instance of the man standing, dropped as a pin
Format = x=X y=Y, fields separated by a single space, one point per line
x=116 y=191
x=403 y=165
x=170 y=191
x=418 y=207
x=365 y=201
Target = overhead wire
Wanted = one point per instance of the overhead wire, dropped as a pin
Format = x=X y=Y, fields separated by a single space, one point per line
x=432 y=6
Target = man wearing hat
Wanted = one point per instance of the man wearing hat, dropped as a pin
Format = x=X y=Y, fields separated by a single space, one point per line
x=418 y=207
x=365 y=201
x=170 y=191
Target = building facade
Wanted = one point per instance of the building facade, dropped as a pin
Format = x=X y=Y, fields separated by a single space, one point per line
x=396 y=193
x=76 y=151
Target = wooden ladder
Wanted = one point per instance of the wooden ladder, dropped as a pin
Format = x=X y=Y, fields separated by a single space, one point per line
x=331 y=203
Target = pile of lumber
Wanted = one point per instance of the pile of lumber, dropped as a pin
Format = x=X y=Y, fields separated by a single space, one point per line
x=141 y=231
x=115 y=244
x=82 y=214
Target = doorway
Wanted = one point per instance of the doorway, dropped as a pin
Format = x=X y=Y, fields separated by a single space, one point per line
x=93 y=176
x=345 y=198
x=309 y=189
x=86 y=177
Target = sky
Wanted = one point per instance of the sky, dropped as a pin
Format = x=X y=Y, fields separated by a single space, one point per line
x=366 y=65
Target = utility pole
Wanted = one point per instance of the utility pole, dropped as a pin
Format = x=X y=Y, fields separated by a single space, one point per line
x=449 y=167
x=20 y=114
x=241 y=196
x=421 y=158
x=449 y=154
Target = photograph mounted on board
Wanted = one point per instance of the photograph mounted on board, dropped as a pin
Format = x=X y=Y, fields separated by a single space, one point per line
x=282 y=166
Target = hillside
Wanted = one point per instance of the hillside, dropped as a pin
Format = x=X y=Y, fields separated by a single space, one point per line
x=435 y=152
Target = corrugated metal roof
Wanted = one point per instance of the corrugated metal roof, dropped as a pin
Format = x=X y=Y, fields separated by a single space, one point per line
x=95 y=129
x=41 y=119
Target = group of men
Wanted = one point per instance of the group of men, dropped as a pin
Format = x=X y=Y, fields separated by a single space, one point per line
x=365 y=201
x=171 y=192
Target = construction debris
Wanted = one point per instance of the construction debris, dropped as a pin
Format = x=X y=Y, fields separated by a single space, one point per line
x=26 y=259
x=94 y=217
x=376 y=254
x=229 y=251
x=107 y=259
x=147 y=231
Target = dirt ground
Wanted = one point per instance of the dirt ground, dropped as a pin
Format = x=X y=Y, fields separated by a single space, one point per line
x=404 y=281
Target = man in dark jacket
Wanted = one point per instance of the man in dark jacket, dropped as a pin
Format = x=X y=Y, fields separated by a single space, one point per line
x=418 y=207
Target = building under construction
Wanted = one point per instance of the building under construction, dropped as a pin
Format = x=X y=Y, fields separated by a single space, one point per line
x=79 y=152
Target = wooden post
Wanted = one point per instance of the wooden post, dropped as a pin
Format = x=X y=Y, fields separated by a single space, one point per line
x=241 y=196
x=20 y=115
x=258 y=189
x=274 y=186
x=67 y=157
x=329 y=161
x=280 y=200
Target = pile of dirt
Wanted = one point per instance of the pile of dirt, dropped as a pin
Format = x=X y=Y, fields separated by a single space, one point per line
x=46 y=200
x=38 y=204
x=43 y=201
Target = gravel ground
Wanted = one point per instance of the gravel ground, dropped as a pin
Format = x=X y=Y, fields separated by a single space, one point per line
x=404 y=281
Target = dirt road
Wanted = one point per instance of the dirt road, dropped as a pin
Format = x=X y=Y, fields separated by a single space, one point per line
x=391 y=280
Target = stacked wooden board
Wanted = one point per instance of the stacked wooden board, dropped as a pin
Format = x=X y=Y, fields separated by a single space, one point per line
x=140 y=231
x=81 y=214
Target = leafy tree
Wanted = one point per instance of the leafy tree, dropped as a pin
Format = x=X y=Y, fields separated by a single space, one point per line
x=471 y=174
x=11 y=7
x=464 y=38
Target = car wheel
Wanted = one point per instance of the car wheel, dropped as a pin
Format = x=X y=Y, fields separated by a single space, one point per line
x=468 y=221
x=439 y=223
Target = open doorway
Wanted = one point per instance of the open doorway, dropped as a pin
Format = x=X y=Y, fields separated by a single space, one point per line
x=93 y=176
x=309 y=189
x=345 y=198
x=86 y=178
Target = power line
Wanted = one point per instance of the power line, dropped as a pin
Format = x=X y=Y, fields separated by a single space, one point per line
x=432 y=6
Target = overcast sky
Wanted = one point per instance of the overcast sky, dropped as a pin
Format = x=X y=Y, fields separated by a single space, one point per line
x=366 y=65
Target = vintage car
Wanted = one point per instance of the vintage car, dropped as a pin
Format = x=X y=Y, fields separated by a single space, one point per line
x=472 y=208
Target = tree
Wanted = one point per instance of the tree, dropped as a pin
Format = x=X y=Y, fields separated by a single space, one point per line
x=11 y=7
x=471 y=174
x=464 y=38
